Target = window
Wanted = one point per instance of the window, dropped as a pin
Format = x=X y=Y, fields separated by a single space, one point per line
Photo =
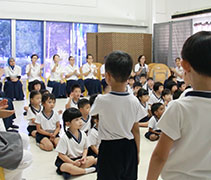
x=5 y=41
x=29 y=40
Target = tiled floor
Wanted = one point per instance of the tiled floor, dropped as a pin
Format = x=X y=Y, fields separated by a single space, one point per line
x=43 y=167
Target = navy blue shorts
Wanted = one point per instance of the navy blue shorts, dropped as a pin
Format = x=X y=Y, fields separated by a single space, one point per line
x=145 y=119
x=59 y=162
x=117 y=160
x=31 y=128
x=39 y=137
x=148 y=134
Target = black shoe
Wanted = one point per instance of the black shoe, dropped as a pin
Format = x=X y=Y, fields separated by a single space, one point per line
x=14 y=126
x=12 y=130
x=66 y=176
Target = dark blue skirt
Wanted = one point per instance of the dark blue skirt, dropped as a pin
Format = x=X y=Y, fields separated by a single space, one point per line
x=59 y=90
x=93 y=86
x=14 y=90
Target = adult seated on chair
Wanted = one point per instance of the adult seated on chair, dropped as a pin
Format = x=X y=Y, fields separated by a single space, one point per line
x=141 y=67
x=91 y=82
x=34 y=72
x=57 y=81
x=13 y=87
x=72 y=74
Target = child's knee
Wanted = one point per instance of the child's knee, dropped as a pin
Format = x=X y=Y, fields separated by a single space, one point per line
x=49 y=147
x=153 y=137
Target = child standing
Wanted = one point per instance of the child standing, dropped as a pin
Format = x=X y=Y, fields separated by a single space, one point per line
x=84 y=107
x=74 y=96
x=48 y=124
x=183 y=151
x=72 y=147
x=154 y=132
x=119 y=113
x=34 y=109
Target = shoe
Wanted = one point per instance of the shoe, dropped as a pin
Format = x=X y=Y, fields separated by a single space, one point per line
x=14 y=126
x=12 y=130
x=66 y=176
x=25 y=113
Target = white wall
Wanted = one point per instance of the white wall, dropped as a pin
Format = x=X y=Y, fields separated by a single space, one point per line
x=164 y=9
x=133 y=13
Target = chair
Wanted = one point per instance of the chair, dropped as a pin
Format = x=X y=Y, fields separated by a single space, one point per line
x=159 y=72
x=98 y=65
x=2 y=174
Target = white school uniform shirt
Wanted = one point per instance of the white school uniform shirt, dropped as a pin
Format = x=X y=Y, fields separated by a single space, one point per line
x=56 y=76
x=145 y=107
x=129 y=89
x=12 y=73
x=180 y=71
x=153 y=123
x=118 y=111
x=30 y=115
x=48 y=123
x=102 y=70
x=93 y=139
x=72 y=147
x=137 y=67
x=72 y=103
x=187 y=122
x=70 y=69
x=35 y=72
x=86 y=126
x=86 y=68
x=184 y=92
x=154 y=99
x=2 y=127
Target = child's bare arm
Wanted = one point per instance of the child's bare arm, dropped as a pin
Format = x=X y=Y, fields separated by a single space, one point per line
x=159 y=157
x=57 y=129
x=65 y=158
x=94 y=149
x=136 y=134
x=41 y=131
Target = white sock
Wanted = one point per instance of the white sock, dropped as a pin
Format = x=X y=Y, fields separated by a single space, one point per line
x=90 y=170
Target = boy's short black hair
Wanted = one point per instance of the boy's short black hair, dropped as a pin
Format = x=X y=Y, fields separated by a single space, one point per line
x=177 y=58
x=87 y=56
x=131 y=77
x=44 y=91
x=155 y=107
x=119 y=64
x=165 y=92
x=74 y=86
x=92 y=99
x=45 y=97
x=177 y=94
x=157 y=85
x=137 y=84
x=150 y=78
x=142 y=92
x=55 y=56
x=170 y=84
x=143 y=75
x=197 y=51
x=180 y=84
x=82 y=103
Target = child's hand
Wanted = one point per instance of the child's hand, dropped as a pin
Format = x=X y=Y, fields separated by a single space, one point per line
x=3 y=102
x=71 y=96
x=60 y=112
x=26 y=108
x=83 y=160
x=77 y=163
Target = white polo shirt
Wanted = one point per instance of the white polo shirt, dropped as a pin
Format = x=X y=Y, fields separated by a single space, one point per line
x=153 y=123
x=180 y=71
x=187 y=121
x=154 y=99
x=35 y=72
x=86 y=68
x=102 y=70
x=12 y=73
x=48 y=123
x=86 y=126
x=145 y=107
x=137 y=67
x=70 y=69
x=118 y=111
x=93 y=139
x=30 y=115
x=56 y=76
x=72 y=147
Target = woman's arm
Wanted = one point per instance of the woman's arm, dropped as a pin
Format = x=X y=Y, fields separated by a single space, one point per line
x=159 y=157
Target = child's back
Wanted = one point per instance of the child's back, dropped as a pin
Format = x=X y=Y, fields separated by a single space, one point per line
x=189 y=129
